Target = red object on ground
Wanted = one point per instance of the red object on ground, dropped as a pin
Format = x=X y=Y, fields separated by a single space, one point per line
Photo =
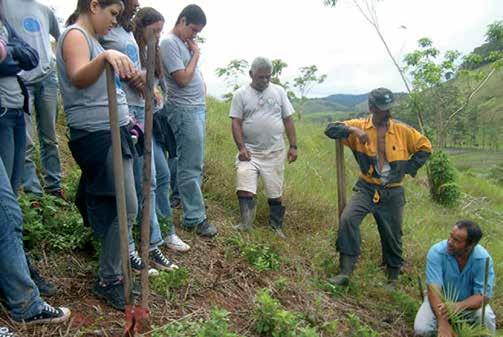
x=137 y=320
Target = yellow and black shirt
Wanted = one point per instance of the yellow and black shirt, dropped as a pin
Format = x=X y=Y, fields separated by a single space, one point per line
x=406 y=149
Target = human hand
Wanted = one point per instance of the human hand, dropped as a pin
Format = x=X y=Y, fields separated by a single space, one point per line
x=362 y=135
x=121 y=63
x=157 y=96
x=244 y=154
x=292 y=155
x=193 y=47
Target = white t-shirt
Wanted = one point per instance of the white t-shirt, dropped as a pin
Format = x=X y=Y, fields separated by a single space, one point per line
x=262 y=114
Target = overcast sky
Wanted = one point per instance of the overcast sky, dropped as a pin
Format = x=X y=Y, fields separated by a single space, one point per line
x=338 y=40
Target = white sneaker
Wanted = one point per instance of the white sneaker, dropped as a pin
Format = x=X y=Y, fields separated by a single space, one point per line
x=152 y=272
x=174 y=242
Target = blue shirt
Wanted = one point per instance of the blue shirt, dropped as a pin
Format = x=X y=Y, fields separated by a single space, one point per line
x=442 y=270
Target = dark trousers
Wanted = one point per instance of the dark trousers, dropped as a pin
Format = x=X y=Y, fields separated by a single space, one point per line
x=388 y=213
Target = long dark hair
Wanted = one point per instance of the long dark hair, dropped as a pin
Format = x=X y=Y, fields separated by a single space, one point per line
x=144 y=18
x=83 y=7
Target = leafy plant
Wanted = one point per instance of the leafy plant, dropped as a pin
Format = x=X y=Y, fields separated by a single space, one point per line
x=444 y=188
x=359 y=329
x=259 y=255
x=497 y=174
x=168 y=281
x=216 y=326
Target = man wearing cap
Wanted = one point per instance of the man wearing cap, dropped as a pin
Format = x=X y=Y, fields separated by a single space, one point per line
x=385 y=150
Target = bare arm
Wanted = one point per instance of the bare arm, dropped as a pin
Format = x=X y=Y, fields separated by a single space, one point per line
x=83 y=72
x=292 y=138
x=471 y=303
x=184 y=76
x=237 y=134
x=440 y=310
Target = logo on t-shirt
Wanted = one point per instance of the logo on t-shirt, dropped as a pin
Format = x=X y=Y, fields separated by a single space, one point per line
x=31 y=24
x=132 y=52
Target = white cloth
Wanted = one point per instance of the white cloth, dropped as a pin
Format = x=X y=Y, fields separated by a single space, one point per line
x=270 y=166
x=262 y=114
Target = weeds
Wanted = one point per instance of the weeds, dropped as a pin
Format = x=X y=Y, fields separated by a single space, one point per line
x=216 y=326
x=259 y=255
x=359 y=329
x=167 y=281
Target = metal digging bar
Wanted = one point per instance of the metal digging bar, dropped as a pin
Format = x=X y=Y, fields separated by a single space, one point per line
x=120 y=195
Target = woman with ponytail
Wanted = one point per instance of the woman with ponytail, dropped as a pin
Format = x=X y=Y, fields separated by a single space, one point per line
x=81 y=62
x=121 y=38
x=150 y=20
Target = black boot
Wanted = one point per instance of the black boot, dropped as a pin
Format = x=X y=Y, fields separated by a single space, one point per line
x=347 y=265
x=393 y=273
x=45 y=288
x=276 y=216
x=248 y=210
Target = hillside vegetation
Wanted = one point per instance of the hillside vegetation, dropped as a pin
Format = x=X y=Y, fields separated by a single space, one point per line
x=254 y=284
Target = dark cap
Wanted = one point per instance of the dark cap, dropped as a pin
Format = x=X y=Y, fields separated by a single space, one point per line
x=382 y=98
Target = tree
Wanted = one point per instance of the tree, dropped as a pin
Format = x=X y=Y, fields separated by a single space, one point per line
x=233 y=75
x=305 y=82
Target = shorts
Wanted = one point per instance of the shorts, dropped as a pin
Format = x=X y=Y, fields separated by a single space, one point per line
x=270 y=166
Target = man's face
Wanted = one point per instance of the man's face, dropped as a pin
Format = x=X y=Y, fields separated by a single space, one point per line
x=261 y=78
x=457 y=244
x=190 y=31
x=131 y=9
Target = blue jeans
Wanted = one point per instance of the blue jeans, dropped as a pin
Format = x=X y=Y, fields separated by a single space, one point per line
x=172 y=163
x=155 y=229
x=163 y=177
x=43 y=104
x=13 y=142
x=189 y=123
x=20 y=292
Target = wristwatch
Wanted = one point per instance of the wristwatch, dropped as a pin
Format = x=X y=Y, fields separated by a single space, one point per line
x=293 y=146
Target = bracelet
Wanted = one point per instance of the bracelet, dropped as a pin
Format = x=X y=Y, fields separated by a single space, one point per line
x=293 y=146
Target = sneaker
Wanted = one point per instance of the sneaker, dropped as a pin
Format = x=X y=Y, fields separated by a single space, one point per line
x=160 y=261
x=175 y=203
x=137 y=265
x=59 y=194
x=50 y=314
x=5 y=332
x=112 y=293
x=206 y=229
x=174 y=242
x=46 y=289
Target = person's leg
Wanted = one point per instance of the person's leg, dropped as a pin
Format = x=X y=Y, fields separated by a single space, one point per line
x=247 y=173
x=189 y=124
x=348 y=236
x=425 y=324
x=31 y=183
x=389 y=216
x=46 y=105
x=489 y=318
x=272 y=169
x=20 y=292
x=163 y=178
x=175 y=193
x=19 y=150
x=7 y=139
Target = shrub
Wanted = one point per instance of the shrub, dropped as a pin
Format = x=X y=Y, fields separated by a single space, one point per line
x=259 y=255
x=496 y=174
x=167 y=281
x=443 y=175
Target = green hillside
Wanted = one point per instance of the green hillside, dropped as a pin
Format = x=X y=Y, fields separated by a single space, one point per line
x=245 y=284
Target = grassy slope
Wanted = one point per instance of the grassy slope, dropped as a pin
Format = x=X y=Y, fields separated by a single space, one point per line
x=219 y=276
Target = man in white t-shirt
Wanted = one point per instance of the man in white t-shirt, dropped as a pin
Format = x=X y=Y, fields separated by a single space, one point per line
x=260 y=113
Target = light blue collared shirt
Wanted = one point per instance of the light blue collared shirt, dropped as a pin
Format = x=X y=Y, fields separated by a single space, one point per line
x=442 y=269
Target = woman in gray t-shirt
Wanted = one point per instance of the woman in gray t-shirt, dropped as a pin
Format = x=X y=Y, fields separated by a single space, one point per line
x=81 y=63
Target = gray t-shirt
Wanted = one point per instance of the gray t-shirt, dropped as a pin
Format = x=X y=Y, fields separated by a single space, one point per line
x=87 y=109
x=176 y=56
x=262 y=114
x=121 y=40
x=34 y=22
x=11 y=95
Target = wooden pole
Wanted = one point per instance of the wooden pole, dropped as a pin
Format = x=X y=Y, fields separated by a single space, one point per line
x=147 y=165
x=341 y=177
x=120 y=194
x=484 y=291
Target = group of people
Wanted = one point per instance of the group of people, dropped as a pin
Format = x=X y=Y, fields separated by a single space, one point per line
x=115 y=32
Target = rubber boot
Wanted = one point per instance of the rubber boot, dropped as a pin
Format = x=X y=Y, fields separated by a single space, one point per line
x=393 y=273
x=276 y=216
x=248 y=210
x=347 y=265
